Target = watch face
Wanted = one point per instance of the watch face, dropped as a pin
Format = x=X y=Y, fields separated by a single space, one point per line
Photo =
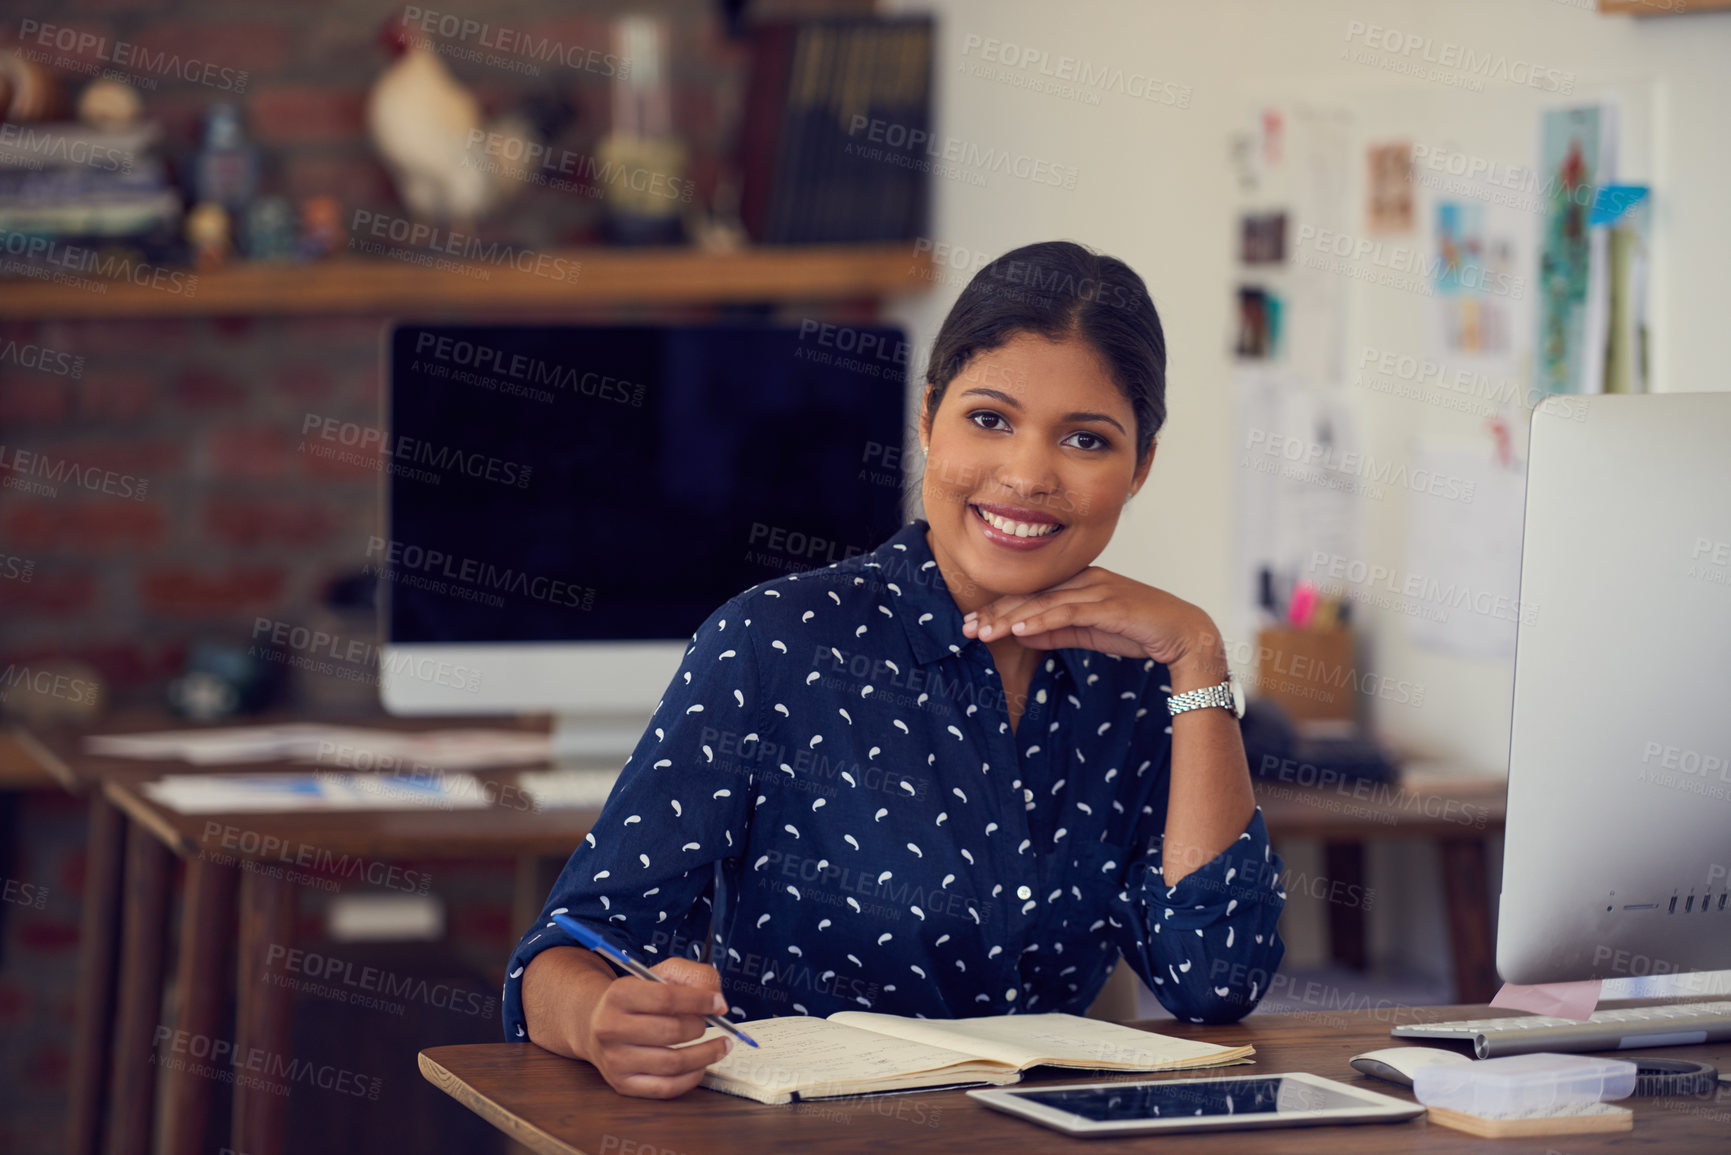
x=1237 y=696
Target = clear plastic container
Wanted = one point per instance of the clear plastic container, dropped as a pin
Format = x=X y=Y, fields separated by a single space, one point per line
x=1524 y=1084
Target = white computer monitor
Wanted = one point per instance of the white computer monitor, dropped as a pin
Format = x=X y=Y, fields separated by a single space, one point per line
x=1617 y=856
x=566 y=504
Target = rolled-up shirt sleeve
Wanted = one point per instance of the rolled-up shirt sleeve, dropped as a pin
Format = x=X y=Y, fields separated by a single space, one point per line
x=1207 y=946
x=643 y=877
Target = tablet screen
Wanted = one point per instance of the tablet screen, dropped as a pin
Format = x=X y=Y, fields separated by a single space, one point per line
x=1188 y=1100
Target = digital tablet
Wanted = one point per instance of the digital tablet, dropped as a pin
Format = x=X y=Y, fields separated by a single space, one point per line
x=1212 y=1104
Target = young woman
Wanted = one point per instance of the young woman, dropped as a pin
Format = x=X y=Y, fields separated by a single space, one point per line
x=959 y=775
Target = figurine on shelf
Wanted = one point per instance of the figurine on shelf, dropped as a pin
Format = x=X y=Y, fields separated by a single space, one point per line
x=321 y=227
x=227 y=167
x=270 y=230
x=641 y=139
x=109 y=105
x=207 y=232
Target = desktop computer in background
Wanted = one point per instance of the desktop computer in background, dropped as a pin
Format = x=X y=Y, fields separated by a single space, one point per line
x=1617 y=858
x=600 y=490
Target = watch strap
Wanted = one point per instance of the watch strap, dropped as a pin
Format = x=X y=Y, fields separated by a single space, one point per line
x=1220 y=695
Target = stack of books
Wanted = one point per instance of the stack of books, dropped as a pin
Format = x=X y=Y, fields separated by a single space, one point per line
x=837 y=145
x=79 y=184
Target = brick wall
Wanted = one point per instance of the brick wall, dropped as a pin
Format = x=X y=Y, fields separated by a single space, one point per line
x=212 y=514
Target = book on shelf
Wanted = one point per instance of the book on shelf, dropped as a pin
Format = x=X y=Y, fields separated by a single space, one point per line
x=836 y=142
x=859 y=1052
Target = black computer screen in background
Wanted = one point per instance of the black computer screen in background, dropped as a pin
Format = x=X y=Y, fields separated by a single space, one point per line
x=569 y=483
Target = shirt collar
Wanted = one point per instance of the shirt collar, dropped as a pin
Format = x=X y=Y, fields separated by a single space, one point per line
x=922 y=602
x=926 y=609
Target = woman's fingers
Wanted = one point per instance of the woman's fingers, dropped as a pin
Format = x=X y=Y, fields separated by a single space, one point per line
x=662 y=1030
x=688 y=972
x=1000 y=609
x=1095 y=625
x=995 y=621
x=668 y=1062
x=656 y=1086
x=642 y=997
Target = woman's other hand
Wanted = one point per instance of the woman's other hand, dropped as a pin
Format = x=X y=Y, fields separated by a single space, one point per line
x=1098 y=609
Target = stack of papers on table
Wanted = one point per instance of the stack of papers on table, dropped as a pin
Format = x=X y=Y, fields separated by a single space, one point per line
x=323 y=790
x=569 y=788
x=356 y=747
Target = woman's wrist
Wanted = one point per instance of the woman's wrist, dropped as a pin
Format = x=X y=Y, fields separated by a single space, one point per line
x=1203 y=660
x=561 y=986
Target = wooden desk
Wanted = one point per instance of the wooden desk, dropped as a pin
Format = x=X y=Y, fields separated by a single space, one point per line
x=24 y=763
x=227 y=899
x=23 y=768
x=562 y=1106
x=1460 y=815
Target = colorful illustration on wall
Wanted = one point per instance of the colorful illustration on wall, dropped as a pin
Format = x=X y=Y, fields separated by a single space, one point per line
x=1572 y=164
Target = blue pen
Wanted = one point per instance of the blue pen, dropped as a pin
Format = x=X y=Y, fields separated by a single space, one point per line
x=602 y=947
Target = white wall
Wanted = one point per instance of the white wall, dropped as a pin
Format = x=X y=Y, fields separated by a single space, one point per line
x=1153 y=187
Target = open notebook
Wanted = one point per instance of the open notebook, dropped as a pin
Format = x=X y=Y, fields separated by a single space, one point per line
x=858 y=1052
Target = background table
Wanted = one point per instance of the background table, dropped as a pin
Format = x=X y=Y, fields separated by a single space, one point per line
x=563 y=1107
x=1459 y=815
x=226 y=907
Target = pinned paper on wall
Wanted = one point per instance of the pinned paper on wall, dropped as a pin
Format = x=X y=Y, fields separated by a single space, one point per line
x=1297 y=498
x=1461 y=590
x=1388 y=206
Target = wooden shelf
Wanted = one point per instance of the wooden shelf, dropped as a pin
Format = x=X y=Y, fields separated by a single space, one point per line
x=603 y=277
x=1661 y=7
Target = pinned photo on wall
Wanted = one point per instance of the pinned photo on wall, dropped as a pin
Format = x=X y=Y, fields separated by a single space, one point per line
x=1469 y=265
x=1389 y=204
x=1258 y=335
x=1262 y=238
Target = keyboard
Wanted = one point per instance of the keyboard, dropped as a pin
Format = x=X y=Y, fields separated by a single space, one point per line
x=1673 y=1025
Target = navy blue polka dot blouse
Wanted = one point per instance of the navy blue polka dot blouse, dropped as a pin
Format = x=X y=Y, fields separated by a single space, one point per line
x=831 y=792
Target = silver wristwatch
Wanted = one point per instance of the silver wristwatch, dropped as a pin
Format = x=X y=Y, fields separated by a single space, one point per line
x=1228 y=695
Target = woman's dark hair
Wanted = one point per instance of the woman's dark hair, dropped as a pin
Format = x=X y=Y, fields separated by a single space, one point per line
x=1058 y=289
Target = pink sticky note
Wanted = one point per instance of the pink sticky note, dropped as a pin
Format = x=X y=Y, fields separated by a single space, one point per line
x=1559 y=1000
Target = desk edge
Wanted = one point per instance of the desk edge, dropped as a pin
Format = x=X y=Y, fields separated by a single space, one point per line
x=50 y=762
x=511 y=1126
x=142 y=812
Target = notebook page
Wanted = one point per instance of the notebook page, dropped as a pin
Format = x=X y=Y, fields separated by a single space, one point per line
x=798 y=1050
x=1028 y=1040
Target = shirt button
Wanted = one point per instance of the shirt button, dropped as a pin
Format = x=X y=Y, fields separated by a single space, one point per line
x=1024 y=892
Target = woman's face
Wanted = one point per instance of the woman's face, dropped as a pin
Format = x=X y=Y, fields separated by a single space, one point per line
x=1030 y=458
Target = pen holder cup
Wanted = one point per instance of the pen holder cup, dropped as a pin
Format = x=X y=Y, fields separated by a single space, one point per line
x=1309 y=672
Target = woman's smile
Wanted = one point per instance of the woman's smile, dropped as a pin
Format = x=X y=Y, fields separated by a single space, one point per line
x=1015 y=527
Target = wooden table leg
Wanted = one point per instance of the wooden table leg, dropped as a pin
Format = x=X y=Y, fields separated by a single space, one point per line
x=1343 y=864
x=528 y=895
x=206 y=930
x=9 y=806
x=1472 y=931
x=93 y=1012
x=144 y=928
x=267 y=916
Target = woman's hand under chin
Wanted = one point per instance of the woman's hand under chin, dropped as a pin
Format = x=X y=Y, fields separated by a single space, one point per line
x=1098 y=609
